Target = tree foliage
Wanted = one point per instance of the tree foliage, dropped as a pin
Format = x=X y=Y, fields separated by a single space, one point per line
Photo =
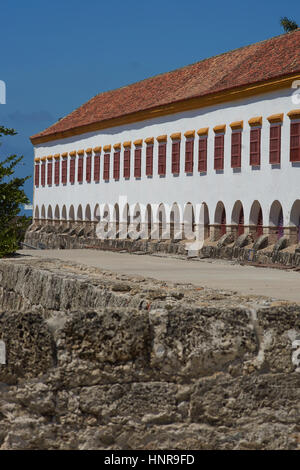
x=12 y=196
x=288 y=25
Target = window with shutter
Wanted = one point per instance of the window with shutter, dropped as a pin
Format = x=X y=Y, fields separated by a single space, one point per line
x=255 y=134
x=37 y=175
x=56 y=172
x=202 y=157
x=295 y=142
x=88 y=168
x=117 y=165
x=49 y=173
x=126 y=172
x=219 y=152
x=64 y=170
x=149 y=160
x=137 y=162
x=236 y=149
x=106 y=167
x=189 y=156
x=176 y=158
x=275 y=143
x=97 y=168
x=43 y=173
x=72 y=170
x=80 y=170
x=162 y=153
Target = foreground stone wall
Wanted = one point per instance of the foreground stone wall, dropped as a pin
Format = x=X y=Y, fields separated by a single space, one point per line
x=97 y=360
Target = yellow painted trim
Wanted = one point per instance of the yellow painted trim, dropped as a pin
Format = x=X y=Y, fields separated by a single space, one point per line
x=294 y=114
x=275 y=118
x=149 y=140
x=219 y=129
x=117 y=146
x=37 y=160
x=80 y=152
x=73 y=153
x=57 y=155
x=97 y=149
x=138 y=142
x=176 y=136
x=162 y=138
x=89 y=150
x=256 y=121
x=203 y=131
x=65 y=154
x=43 y=159
x=106 y=148
x=127 y=144
x=236 y=93
x=189 y=134
x=49 y=157
x=237 y=125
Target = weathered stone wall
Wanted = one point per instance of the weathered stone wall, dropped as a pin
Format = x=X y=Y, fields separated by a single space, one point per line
x=97 y=360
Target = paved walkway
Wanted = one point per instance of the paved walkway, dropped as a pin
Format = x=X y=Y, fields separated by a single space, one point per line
x=219 y=274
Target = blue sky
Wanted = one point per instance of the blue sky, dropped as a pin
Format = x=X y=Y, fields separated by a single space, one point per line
x=56 y=55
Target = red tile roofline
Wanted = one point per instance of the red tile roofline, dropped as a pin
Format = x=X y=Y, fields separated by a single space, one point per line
x=226 y=95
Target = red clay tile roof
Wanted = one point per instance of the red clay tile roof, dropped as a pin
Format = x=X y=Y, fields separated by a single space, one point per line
x=273 y=58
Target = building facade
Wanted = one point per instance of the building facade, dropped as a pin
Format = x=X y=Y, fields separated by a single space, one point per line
x=218 y=153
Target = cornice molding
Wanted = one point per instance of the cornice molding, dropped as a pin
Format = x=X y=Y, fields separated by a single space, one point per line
x=73 y=153
x=106 y=148
x=189 y=134
x=162 y=138
x=294 y=114
x=97 y=149
x=256 y=121
x=237 y=125
x=176 y=136
x=220 y=129
x=127 y=144
x=65 y=154
x=138 y=143
x=117 y=146
x=80 y=152
x=203 y=131
x=275 y=118
x=149 y=140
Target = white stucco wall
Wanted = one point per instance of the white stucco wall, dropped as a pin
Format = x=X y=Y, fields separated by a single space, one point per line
x=265 y=184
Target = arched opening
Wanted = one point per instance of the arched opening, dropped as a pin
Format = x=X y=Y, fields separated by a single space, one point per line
x=64 y=213
x=79 y=213
x=220 y=218
x=256 y=219
x=72 y=213
x=149 y=220
x=276 y=219
x=49 y=213
x=175 y=223
x=125 y=222
x=162 y=222
x=88 y=216
x=188 y=222
x=116 y=219
x=137 y=218
x=56 y=213
x=295 y=219
x=237 y=217
x=97 y=213
x=36 y=213
x=204 y=229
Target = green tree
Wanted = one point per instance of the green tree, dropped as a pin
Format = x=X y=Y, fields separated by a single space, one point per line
x=12 y=196
x=288 y=25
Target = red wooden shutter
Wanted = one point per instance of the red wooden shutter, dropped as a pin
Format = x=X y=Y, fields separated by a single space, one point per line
x=106 y=167
x=255 y=146
x=295 y=142
x=149 y=160
x=189 y=156
x=43 y=173
x=37 y=175
x=219 y=152
x=56 y=172
x=88 y=168
x=80 y=170
x=117 y=165
x=64 y=171
x=202 y=157
x=275 y=143
x=176 y=158
x=162 y=153
x=72 y=170
x=236 y=149
x=126 y=172
x=97 y=168
x=137 y=162
x=49 y=173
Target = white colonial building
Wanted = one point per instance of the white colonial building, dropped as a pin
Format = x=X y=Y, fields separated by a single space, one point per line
x=216 y=143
